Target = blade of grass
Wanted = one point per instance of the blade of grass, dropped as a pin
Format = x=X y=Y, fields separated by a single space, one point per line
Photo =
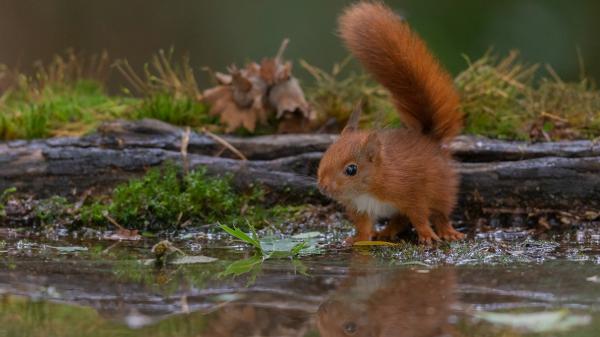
x=237 y=233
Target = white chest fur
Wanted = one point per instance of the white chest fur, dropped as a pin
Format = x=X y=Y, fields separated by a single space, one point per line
x=366 y=203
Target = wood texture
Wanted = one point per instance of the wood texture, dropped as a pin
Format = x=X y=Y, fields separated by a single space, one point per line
x=560 y=176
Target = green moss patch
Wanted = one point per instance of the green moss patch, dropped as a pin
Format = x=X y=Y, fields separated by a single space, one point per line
x=161 y=200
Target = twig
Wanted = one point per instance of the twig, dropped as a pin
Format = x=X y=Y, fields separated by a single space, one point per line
x=224 y=143
x=184 y=305
x=113 y=221
x=211 y=75
x=553 y=116
x=131 y=76
x=282 y=49
x=185 y=141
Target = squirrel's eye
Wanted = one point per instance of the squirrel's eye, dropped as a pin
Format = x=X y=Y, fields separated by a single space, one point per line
x=350 y=328
x=351 y=170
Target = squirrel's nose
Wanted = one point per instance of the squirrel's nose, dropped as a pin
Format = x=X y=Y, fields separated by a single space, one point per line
x=322 y=185
x=327 y=188
x=322 y=189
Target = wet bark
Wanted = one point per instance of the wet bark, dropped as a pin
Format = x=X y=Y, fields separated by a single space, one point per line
x=560 y=176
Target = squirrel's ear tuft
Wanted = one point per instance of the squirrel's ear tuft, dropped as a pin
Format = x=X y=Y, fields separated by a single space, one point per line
x=352 y=124
x=372 y=147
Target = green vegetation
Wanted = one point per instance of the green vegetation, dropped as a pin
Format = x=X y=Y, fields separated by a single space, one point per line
x=268 y=247
x=58 y=109
x=178 y=111
x=63 y=97
x=502 y=98
x=67 y=97
x=3 y=198
x=162 y=75
x=336 y=93
x=492 y=94
x=162 y=199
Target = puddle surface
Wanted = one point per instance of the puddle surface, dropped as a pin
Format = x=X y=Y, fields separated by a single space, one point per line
x=101 y=289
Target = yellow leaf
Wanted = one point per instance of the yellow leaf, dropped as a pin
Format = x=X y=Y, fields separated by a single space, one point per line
x=375 y=243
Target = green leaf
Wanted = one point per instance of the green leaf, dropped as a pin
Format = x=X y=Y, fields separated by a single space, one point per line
x=297 y=248
x=300 y=267
x=7 y=192
x=236 y=232
x=242 y=266
x=275 y=247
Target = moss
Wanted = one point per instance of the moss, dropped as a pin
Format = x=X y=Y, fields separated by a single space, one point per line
x=178 y=111
x=501 y=98
x=493 y=93
x=162 y=199
x=162 y=74
x=59 y=109
x=334 y=94
x=52 y=210
x=4 y=196
x=67 y=97
x=566 y=110
x=505 y=98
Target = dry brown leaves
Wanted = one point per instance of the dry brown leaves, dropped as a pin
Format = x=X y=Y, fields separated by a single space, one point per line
x=249 y=96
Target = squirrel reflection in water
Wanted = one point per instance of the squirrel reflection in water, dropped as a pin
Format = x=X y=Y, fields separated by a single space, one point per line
x=401 y=303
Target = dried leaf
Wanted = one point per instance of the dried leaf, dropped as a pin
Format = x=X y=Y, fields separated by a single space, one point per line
x=248 y=96
x=123 y=234
x=287 y=97
x=223 y=79
x=375 y=243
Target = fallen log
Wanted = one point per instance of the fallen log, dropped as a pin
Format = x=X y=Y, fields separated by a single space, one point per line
x=560 y=176
x=155 y=134
x=481 y=149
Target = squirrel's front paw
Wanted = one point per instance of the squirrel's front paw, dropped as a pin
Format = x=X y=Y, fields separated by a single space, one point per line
x=448 y=233
x=428 y=238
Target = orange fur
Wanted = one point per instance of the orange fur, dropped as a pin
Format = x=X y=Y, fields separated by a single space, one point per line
x=399 y=59
x=402 y=303
x=404 y=169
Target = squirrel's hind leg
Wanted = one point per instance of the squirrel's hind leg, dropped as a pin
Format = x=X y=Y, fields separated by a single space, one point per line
x=420 y=221
x=444 y=228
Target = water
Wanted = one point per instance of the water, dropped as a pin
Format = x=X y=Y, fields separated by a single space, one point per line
x=511 y=287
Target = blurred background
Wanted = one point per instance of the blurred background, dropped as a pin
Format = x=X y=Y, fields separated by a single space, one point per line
x=218 y=33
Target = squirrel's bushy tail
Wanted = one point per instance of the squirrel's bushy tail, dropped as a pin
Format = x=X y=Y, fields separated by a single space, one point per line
x=423 y=91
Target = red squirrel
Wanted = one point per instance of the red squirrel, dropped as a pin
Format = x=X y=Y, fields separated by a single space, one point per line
x=397 y=173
